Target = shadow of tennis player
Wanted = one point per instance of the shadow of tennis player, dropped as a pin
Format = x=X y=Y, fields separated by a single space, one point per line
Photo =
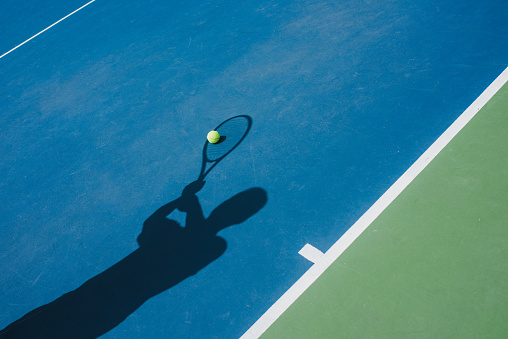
x=167 y=254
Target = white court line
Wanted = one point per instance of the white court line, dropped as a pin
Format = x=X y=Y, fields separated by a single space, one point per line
x=62 y=19
x=372 y=213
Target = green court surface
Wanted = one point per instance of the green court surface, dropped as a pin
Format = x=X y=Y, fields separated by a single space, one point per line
x=434 y=264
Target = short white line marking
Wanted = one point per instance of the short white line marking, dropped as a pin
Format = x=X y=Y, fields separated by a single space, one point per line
x=62 y=19
x=281 y=305
x=311 y=253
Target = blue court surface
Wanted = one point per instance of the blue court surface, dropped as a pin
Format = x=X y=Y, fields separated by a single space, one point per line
x=103 y=122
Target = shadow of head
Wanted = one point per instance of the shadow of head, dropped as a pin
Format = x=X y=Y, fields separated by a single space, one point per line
x=164 y=234
x=237 y=209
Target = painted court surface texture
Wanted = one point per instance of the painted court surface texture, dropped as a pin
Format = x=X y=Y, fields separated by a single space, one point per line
x=103 y=118
x=434 y=264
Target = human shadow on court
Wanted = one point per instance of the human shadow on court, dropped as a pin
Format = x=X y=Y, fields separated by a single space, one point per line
x=167 y=254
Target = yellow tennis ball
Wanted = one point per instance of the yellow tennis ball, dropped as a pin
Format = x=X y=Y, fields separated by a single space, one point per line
x=213 y=137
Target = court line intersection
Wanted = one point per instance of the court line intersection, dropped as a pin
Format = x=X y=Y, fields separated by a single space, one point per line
x=321 y=264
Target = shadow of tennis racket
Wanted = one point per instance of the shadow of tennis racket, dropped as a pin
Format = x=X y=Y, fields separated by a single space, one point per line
x=233 y=131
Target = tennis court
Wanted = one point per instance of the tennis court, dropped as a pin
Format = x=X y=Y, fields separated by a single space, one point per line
x=105 y=107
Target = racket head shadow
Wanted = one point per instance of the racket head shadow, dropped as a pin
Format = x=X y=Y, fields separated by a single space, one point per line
x=233 y=131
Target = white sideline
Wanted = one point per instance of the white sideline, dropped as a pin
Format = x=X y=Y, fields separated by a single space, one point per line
x=44 y=30
x=274 y=312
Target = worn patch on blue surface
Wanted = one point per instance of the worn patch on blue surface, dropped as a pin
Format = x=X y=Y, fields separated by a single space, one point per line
x=103 y=119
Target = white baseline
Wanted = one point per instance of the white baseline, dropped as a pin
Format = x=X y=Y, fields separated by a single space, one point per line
x=281 y=305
